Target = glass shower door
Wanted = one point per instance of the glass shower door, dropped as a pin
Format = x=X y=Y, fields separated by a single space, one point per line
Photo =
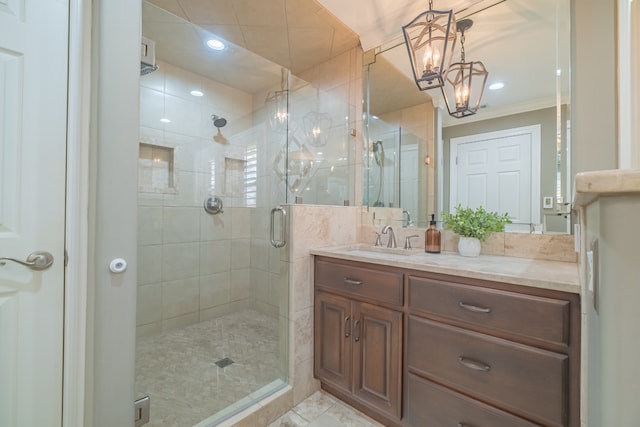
x=212 y=311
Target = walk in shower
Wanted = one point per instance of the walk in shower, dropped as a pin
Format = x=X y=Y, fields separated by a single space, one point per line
x=226 y=138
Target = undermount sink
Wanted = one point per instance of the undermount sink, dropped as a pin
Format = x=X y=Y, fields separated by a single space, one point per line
x=383 y=250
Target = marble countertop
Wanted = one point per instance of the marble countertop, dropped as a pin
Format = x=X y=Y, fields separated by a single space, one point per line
x=591 y=185
x=561 y=276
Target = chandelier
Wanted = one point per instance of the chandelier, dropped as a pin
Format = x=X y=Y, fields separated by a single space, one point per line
x=277 y=104
x=317 y=125
x=430 y=38
x=465 y=81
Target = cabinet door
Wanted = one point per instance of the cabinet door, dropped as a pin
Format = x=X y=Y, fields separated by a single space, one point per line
x=333 y=324
x=377 y=357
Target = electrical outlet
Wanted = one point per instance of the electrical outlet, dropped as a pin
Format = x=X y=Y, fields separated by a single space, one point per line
x=547 y=202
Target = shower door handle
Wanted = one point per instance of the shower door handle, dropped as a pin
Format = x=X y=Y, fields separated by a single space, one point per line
x=281 y=241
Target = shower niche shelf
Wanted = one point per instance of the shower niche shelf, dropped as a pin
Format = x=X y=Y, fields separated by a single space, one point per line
x=156 y=169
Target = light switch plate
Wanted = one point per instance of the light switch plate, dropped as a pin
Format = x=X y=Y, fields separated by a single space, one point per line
x=593 y=261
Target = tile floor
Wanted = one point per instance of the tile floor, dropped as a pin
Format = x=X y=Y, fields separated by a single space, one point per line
x=323 y=410
x=177 y=368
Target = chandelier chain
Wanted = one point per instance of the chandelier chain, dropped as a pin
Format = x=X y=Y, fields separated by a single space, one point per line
x=462 y=46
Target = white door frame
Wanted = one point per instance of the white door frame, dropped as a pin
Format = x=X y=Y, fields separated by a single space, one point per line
x=77 y=215
x=533 y=130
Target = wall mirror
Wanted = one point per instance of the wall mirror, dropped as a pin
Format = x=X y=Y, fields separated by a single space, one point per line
x=512 y=156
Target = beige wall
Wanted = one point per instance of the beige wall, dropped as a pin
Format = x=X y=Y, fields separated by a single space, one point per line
x=593 y=88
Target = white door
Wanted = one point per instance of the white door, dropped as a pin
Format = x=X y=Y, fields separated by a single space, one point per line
x=33 y=122
x=499 y=171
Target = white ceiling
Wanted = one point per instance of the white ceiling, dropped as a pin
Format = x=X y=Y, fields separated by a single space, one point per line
x=380 y=21
x=515 y=39
x=295 y=34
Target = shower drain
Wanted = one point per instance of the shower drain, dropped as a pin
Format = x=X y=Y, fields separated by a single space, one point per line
x=223 y=363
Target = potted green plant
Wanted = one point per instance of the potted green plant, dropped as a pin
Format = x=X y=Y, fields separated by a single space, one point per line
x=473 y=226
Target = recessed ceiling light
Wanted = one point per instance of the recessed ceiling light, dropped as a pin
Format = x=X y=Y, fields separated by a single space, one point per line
x=496 y=86
x=196 y=93
x=165 y=120
x=215 y=44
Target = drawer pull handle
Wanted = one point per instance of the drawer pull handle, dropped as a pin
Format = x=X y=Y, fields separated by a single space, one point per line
x=356 y=332
x=347 y=329
x=460 y=425
x=348 y=281
x=473 y=364
x=474 y=308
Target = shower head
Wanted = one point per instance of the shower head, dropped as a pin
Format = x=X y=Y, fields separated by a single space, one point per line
x=147 y=68
x=218 y=121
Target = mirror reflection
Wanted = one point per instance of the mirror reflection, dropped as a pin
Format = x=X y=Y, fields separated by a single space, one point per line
x=511 y=156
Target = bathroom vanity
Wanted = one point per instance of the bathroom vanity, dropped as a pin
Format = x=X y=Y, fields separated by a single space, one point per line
x=414 y=339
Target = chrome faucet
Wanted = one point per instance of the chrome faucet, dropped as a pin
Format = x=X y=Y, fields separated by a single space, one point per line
x=408 y=222
x=378 y=242
x=407 y=241
x=392 y=236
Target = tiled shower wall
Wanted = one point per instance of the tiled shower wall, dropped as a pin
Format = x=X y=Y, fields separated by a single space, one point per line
x=309 y=227
x=338 y=85
x=192 y=265
x=321 y=226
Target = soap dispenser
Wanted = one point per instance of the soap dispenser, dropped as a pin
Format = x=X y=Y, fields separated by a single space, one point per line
x=432 y=237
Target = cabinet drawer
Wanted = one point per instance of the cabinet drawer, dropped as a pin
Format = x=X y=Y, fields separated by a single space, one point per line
x=368 y=283
x=524 y=380
x=545 y=319
x=429 y=404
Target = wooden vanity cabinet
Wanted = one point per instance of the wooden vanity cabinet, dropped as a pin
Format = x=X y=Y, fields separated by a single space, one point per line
x=494 y=354
x=358 y=335
x=419 y=349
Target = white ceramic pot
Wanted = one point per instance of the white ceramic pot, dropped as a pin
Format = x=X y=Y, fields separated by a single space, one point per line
x=469 y=246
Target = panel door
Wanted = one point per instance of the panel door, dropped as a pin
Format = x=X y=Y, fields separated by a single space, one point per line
x=333 y=342
x=377 y=357
x=33 y=121
x=496 y=171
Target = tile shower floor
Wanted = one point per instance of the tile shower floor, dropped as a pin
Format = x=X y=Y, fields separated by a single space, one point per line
x=178 y=370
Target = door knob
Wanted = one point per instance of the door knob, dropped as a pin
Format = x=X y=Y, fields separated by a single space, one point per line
x=38 y=260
